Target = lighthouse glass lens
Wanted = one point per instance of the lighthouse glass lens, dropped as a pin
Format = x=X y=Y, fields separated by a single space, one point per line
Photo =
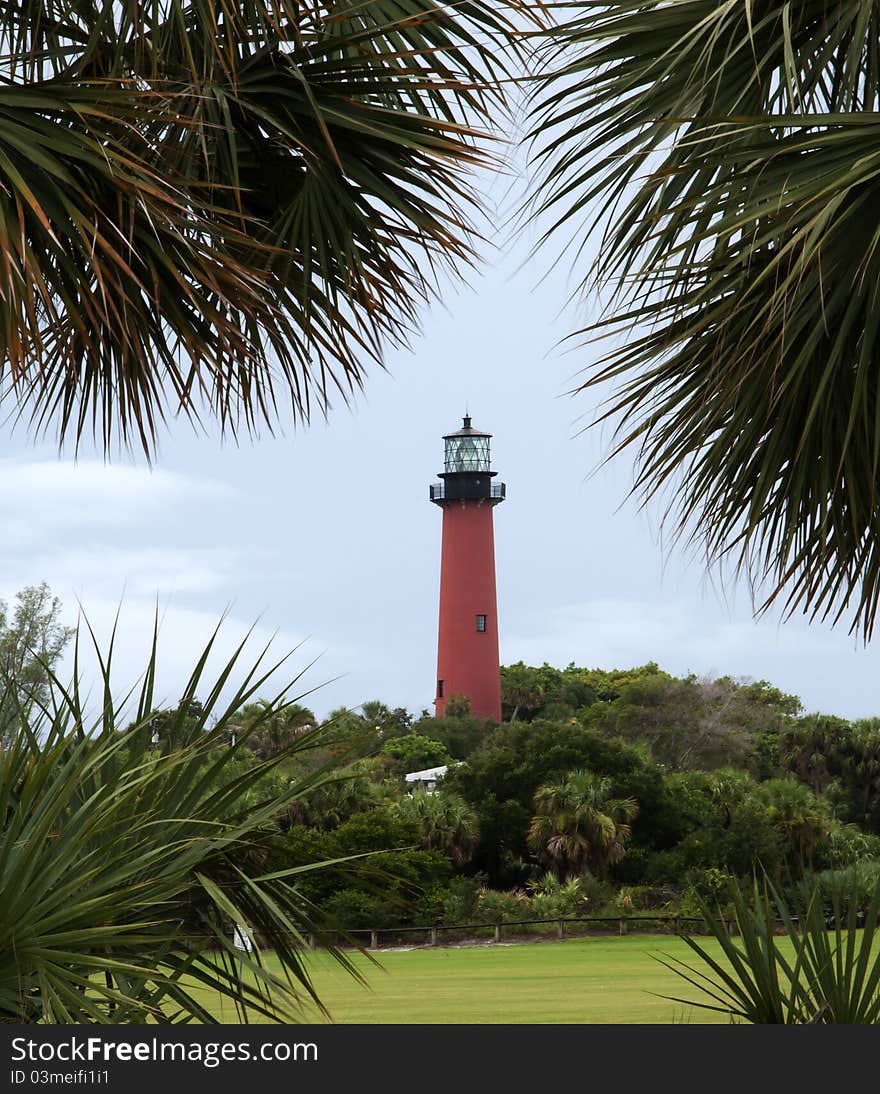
x=467 y=454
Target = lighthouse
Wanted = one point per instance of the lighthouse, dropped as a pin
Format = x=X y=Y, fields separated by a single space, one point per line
x=467 y=644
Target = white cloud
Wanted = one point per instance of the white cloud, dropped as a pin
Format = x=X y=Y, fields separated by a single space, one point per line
x=627 y=632
x=51 y=501
x=136 y=571
x=109 y=536
x=184 y=634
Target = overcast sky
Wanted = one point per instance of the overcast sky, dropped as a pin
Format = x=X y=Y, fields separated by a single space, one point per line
x=327 y=537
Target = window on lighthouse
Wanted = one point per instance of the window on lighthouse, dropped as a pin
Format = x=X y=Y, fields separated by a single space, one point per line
x=467 y=453
x=481 y=623
x=466 y=457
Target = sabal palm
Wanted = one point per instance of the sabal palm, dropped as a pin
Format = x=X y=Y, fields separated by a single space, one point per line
x=277 y=728
x=801 y=817
x=808 y=746
x=520 y=689
x=446 y=822
x=228 y=208
x=337 y=795
x=578 y=827
x=728 y=153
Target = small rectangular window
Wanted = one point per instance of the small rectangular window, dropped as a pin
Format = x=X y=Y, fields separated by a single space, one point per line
x=439 y=689
x=481 y=623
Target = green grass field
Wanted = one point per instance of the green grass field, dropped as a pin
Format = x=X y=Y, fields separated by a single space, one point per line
x=595 y=980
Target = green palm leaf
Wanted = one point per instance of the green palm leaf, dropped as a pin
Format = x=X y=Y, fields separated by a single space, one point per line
x=790 y=961
x=124 y=868
x=229 y=208
x=731 y=152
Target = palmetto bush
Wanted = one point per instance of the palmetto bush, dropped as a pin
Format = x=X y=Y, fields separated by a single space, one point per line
x=793 y=960
x=853 y=885
x=125 y=868
x=498 y=907
x=552 y=897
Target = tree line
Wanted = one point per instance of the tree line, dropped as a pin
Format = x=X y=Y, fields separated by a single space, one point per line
x=605 y=789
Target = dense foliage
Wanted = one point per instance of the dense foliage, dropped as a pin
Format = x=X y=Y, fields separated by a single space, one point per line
x=132 y=851
x=602 y=792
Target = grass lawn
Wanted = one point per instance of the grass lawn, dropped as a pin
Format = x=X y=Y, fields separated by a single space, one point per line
x=595 y=980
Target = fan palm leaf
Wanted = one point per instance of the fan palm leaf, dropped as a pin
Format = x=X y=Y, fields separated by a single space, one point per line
x=228 y=209
x=727 y=153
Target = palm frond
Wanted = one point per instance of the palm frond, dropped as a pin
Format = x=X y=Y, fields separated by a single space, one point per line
x=229 y=211
x=727 y=153
x=125 y=868
x=790 y=961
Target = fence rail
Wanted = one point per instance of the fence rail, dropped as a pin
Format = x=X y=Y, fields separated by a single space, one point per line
x=432 y=934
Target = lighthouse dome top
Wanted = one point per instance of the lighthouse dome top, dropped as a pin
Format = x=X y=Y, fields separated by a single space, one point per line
x=467 y=430
x=467 y=449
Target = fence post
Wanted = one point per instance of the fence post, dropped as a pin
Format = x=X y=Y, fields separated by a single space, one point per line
x=433 y=936
x=623 y=926
x=311 y=941
x=497 y=932
x=560 y=929
x=374 y=940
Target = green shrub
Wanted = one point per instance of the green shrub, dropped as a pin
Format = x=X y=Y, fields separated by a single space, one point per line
x=848 y=844
x=460 y=900
x=552 y=898
x=415 y=752
x=496 y=907
x=354 y=909
x=854 y=886
x=596 y=894
x=650 y=898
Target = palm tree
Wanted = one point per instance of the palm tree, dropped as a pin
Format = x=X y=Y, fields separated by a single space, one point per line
x=446 y=823
x=809 y=748
x=521 y=689
x=279 y=725
x=727 y=154
x=338 y=794
x=859 y=769
x=230 y=208
x=577 y=827
x=801 y=818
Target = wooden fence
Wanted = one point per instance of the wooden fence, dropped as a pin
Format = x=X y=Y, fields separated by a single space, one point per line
x=432 y=935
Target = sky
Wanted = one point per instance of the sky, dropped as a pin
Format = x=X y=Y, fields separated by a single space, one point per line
x=324 y=541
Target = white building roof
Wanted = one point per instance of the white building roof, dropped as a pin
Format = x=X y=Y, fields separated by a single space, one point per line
x=430 y=774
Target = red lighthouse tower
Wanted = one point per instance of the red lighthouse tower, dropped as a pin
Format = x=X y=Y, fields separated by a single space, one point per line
x=467 y=647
